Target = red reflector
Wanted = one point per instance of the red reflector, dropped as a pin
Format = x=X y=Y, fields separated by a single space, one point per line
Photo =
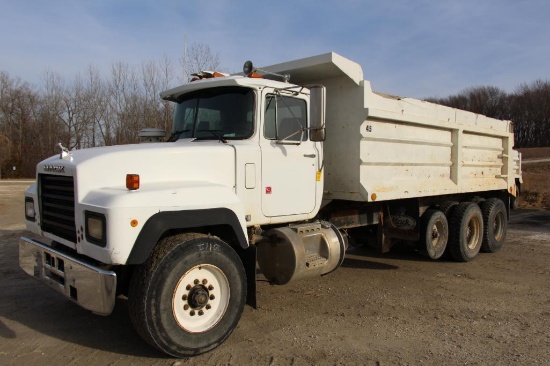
x=132 y=181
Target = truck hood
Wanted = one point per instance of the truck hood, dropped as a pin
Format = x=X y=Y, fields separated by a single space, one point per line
x=107 y=167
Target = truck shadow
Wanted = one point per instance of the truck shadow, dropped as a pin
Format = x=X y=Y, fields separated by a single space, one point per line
x=365 y=264
x=30 y=305
x=535 y=220
x=402 y=251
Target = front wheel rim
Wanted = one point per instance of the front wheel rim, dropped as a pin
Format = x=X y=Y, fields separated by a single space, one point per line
x=201 y=298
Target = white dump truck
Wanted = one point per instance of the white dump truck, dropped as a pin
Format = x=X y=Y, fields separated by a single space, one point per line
x=279 y=169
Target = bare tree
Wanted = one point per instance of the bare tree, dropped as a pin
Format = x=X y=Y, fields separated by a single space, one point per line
x=93 y=109
x=528 y=108
x=88 y=110
x=18 y=104
x=487 y=100
x=124 y=104
x=156 y=77
x=531 y=114
x=197 y=58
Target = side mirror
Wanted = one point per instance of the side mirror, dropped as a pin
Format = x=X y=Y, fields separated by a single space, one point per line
x=317 y=107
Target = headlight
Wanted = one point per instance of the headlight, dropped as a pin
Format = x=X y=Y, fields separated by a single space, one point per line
x=96 y=228
x=30 y=213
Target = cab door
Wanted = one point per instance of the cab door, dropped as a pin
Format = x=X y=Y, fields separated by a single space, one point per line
x=289 y=158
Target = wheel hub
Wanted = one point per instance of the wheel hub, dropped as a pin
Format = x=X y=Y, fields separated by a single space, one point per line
x=198 y=297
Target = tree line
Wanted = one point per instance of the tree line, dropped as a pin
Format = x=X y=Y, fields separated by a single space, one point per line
x=528 y=107
x=91 y=110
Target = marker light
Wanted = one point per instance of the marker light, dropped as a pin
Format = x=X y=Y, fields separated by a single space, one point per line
x=132 y=181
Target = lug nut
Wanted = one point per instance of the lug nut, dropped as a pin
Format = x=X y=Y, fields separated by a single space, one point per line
x=192 y=313
x=188 y=287
x=201 y=312
x=210 y=288
x=184 y=297
x=196 y=282
x=212 y=297
x=208 y=306
x=186 y=307
x=205 y=281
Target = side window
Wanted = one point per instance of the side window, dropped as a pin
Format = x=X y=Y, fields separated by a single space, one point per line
x=285 y=118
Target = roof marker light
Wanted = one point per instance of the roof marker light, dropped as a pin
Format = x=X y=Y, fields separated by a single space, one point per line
x=250 y=71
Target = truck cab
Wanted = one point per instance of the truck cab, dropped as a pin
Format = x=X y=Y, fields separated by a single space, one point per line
x=244 y=157
x=267 y=125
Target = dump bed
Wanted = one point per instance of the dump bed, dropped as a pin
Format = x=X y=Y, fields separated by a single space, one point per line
x=381 y=147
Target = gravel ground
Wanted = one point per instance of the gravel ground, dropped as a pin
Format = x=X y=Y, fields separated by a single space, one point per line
x=396 y=309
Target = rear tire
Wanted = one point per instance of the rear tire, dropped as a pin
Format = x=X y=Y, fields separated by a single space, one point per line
x=466 y=232
x=495 y=225
x=189 y=295
x=434 y=234
x=447 y=208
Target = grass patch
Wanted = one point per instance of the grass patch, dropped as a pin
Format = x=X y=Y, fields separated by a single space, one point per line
x=531 y=199
x=535 y=191
x=535 y=152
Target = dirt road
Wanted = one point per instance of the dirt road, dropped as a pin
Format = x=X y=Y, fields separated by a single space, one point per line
x=534 y=161
x=396 y=309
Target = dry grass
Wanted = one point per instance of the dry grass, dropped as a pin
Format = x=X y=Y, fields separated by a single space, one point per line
x=534 y=200
x=536 y=179
x=535 y=153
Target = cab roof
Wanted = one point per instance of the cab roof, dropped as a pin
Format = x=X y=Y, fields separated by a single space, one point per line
x=236 y=80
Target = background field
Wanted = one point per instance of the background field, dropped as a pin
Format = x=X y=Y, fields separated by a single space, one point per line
x=535 y=192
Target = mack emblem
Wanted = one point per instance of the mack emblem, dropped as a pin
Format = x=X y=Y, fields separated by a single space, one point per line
x=54 y=168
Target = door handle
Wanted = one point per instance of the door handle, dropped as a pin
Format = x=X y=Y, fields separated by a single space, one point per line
x=309 y=155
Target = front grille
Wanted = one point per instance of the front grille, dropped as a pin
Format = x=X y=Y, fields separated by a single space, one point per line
x=57 y=205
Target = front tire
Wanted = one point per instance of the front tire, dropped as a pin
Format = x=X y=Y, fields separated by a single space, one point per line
x=189 y=295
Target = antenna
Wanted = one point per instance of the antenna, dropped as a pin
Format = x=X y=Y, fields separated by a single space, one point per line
x=185 y=76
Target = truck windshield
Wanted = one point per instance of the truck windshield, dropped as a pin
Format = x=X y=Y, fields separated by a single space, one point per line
x=212 y=114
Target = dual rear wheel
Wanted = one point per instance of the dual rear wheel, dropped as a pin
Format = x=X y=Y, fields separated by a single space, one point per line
x=463 y=229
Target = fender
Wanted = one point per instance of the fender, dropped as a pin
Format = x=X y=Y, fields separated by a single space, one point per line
x=162 y=222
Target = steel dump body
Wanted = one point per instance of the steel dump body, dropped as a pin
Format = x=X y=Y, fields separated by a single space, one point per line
x=381 y=147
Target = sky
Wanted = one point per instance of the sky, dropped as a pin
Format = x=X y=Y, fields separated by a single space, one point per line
x=414 y=48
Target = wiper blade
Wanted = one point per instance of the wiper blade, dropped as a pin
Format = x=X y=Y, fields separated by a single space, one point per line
x=213 y=132
x=175 y=135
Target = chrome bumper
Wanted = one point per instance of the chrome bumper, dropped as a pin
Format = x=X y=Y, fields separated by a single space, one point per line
x=90 y=287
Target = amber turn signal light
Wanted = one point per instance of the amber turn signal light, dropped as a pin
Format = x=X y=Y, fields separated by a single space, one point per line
x=132 y=181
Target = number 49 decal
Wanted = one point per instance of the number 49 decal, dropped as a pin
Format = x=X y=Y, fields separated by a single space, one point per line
x=369 y=128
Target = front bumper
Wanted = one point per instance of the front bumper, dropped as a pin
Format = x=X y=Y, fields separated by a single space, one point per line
x=91 y=287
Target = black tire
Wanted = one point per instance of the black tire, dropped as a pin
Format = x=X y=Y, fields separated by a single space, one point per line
x=189 y=295
x=495 y=225
x=447 y=208
x=434 y=234
x=466 y=232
